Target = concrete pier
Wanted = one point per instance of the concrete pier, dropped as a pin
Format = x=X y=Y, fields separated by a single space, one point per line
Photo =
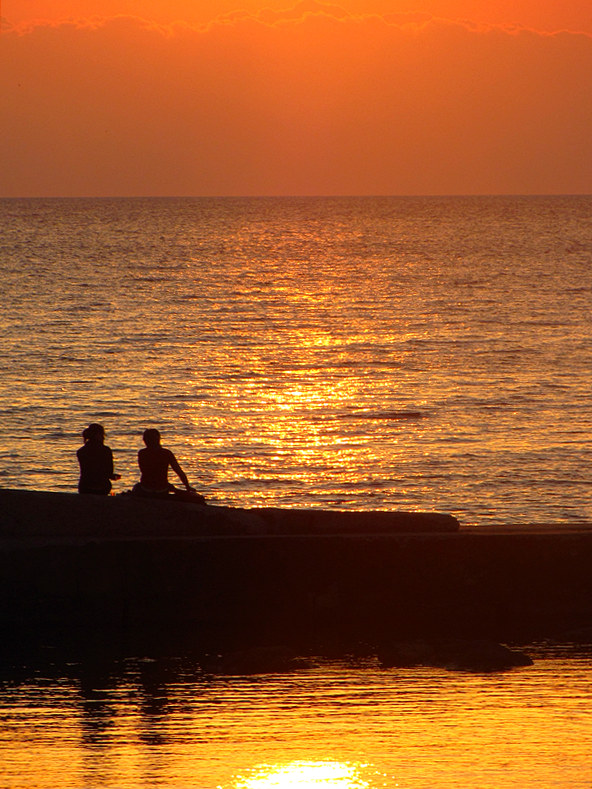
x=149 y=572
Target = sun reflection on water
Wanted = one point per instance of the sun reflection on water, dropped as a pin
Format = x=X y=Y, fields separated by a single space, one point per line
x=304 y=775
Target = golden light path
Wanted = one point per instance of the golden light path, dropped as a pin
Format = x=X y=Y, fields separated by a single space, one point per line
x=304 y=775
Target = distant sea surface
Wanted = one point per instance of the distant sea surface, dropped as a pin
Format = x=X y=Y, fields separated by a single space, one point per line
x=350 y=353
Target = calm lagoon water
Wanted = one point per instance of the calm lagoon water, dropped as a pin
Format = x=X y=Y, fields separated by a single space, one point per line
x=369 y=353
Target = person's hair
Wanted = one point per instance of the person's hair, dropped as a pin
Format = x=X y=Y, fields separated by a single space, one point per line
x=94 y=430
x=151 y=437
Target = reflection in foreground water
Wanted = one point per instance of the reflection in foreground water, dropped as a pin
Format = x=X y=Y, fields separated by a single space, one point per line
x=142 y=724
x=298 y=775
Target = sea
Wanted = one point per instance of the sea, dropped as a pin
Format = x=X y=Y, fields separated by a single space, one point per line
x=429 y=353
x=368 y=353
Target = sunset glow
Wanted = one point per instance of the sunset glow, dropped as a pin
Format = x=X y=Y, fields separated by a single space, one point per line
x=385 y=97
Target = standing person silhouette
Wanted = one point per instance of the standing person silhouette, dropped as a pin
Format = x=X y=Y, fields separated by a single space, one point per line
x=154 y=461
x=96 y=462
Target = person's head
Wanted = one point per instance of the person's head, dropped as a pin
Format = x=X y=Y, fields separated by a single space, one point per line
x=151 y=437
x=94 y=432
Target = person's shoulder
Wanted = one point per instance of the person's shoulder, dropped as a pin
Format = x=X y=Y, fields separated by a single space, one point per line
x=166 y=453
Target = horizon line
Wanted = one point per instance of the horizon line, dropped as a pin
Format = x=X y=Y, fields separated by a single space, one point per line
x=292 y=196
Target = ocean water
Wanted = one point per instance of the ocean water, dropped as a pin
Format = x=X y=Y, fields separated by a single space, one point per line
x=352 y=353
x=144 y=724
x=371 y=353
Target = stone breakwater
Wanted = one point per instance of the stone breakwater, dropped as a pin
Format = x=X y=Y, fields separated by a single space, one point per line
x=59 y=517
x=144 y=573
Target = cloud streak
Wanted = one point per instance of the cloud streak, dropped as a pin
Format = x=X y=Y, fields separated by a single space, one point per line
x=313 y=100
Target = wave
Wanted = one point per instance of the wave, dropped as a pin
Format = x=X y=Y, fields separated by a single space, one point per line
x=387 y=415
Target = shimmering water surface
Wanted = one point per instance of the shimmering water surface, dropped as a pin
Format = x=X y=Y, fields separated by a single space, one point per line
x=426 y=353
x=333 y=726
x=374 y=353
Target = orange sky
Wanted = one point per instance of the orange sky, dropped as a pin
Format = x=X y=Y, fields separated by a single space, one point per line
x=353 y=97
x=548 y=15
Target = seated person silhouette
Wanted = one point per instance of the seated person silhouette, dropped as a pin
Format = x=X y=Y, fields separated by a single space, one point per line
x=96 y=462
x=154 y=462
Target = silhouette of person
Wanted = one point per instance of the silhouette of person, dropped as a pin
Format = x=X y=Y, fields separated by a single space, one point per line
x=154 y=461
x=96 y=462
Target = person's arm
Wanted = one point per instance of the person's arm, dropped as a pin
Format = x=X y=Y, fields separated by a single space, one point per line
x=112 y=475
x=179 y=472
